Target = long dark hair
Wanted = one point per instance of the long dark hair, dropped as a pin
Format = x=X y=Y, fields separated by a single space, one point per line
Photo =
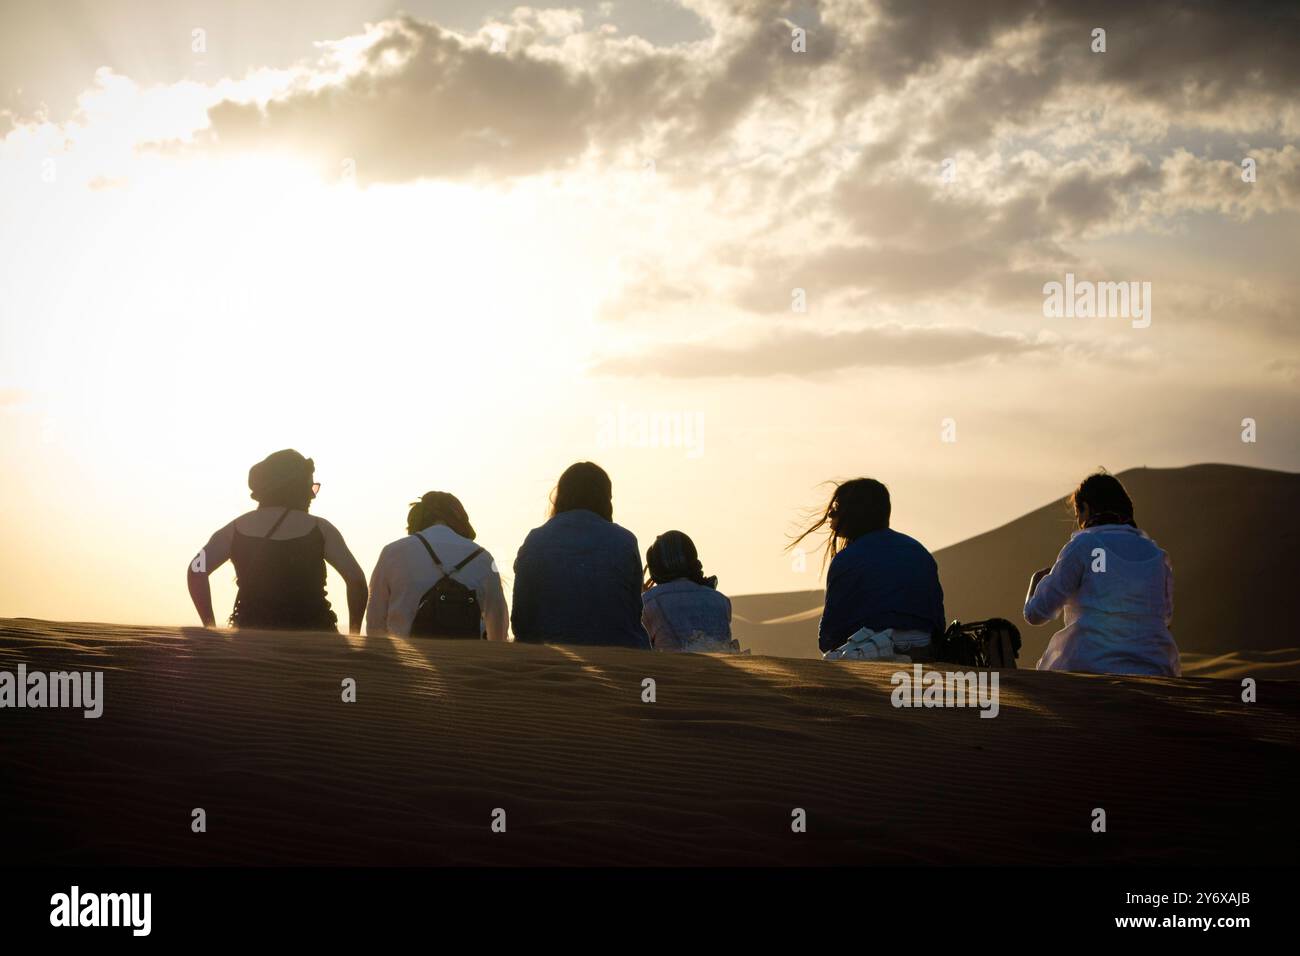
x=857 y=507
x=1107 y=500
x=673 y=556
x=439 y=506
x=282 y=479
x=584 y=485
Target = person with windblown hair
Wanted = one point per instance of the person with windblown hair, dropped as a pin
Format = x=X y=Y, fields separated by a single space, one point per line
x=439 y=543
x=882 y=585
x=1114 y=586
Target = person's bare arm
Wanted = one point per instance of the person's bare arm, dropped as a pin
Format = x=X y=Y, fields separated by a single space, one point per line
x=210 y=557
x=342 y=561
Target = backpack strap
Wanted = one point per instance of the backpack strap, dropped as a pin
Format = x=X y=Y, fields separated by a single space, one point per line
x=283 y=515
x=472 y=555
x=468 y=558
x=428 y=547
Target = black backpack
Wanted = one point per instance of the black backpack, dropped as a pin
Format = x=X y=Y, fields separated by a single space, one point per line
x=993 y=643
x=448 y=609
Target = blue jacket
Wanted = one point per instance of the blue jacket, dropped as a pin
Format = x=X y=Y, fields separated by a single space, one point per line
x=683 y=615
x=882 y=579
x=578 y=581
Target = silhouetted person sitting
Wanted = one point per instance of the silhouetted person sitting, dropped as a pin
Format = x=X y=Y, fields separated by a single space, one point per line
x=879 y=579
x=1115 y=586
x=439 y=547
x=682 y=610
x=279 y=552
x=578 y=577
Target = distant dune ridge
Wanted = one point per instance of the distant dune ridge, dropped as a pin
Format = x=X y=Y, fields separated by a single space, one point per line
x=251 y=727
x=1232 y=533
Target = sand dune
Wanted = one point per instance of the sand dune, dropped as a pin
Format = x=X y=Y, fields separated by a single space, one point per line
x=1232 y=532
x=1276 y=665
x=250 y=727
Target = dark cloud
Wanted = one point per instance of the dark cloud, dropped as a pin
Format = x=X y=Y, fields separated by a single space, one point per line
x=449 y=109
x=1216 y=185
x=756 y=64
x=1183 y=54
x=431 y=103
x=810 y=353
x=996 y=97
x=1084 y=198
x=915 y=240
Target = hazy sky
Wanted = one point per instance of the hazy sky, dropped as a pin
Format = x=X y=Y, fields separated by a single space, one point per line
x=461 y=246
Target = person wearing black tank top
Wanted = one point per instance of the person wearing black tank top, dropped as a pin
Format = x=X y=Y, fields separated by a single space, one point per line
x=279 y=552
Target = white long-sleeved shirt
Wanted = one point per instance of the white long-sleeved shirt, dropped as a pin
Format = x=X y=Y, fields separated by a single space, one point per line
x=404 y=572
x=1116 y=588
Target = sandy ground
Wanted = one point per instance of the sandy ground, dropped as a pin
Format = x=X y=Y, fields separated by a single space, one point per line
x=794 y=635
x=251 y=727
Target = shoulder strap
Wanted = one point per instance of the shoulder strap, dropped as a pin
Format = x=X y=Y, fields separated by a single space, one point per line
x=283 y=515
x=428 y=547
x=470 y=557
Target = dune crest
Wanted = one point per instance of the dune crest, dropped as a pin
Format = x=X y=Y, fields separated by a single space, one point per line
x=251 y=727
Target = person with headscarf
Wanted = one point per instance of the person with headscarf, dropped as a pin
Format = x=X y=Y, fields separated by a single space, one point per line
x=439 y=543
x=682 y=610
x=279 y=551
